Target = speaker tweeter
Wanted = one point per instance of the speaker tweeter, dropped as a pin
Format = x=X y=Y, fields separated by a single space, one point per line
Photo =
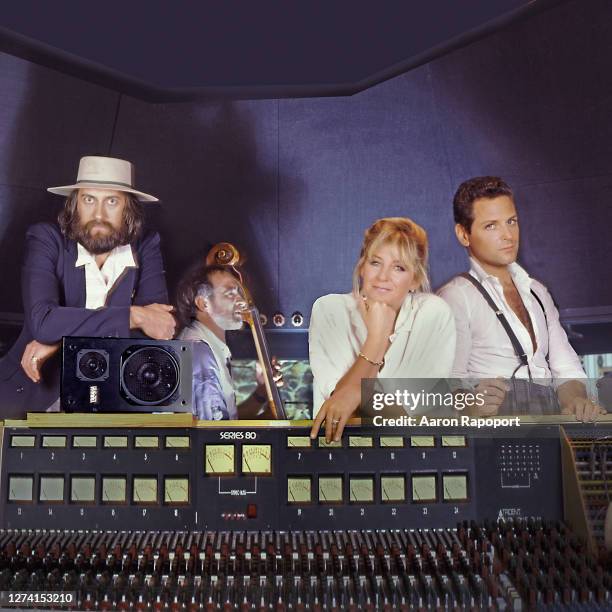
x=92 y=365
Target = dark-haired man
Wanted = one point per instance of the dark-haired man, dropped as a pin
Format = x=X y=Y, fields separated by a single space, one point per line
x=210 y=303
x=93 y=274
x=507 y=324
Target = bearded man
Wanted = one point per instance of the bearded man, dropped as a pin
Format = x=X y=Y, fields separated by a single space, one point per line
x=95 y=273
x=210 y=302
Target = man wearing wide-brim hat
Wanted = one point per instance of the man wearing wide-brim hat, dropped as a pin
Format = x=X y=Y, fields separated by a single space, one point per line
x=95 y=273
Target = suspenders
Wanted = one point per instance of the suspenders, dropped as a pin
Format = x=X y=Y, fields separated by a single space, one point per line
x=516 y=345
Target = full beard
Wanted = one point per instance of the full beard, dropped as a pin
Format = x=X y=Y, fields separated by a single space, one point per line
x=227 y=322
x=99 y=243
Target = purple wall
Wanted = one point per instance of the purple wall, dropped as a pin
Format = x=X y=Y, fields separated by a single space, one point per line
x=295 y=182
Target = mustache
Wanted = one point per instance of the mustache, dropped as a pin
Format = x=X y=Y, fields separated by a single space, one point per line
x=92 y=224
x=98 y=243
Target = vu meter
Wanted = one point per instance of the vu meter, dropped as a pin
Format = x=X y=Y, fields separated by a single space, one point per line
x=144 y=490
x=361 y=490
x=51 y=489
x=393 y=488
x=146 y=442
x=391 y=442
x=176 y=490
x=23 y=441
x=20 y=488
x=115 y=442
x=83 y=489
x=453 y=441
x=323 y=443
x=113 y=490
x=220 y=459
x=54 y=441
x=454 y=487
x=299 y=489
x=177 y=442
x=422 y=441
x=424 y=487
x=360 y=442
x=330 y=489
x=298 y=441
x=84 y=442
x=257 y=459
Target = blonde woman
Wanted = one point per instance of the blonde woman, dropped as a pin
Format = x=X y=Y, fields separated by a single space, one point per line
x=389 y=326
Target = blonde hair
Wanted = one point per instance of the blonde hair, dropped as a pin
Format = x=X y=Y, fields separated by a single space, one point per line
x=410 y=240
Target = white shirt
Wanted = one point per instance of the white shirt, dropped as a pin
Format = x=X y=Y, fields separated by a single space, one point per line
x=483 y=347
x=198 y=332
x=422 y=344
x=99 y=281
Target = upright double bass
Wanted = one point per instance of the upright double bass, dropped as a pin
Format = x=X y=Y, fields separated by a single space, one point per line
x=226 y=254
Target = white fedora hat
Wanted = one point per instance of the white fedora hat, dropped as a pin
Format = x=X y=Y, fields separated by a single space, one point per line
x=104 y=173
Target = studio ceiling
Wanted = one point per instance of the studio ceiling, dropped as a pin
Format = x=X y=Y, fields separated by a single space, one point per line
x=174 y=51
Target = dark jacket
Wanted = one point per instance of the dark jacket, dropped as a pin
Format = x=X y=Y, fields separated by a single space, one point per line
x=54 y=296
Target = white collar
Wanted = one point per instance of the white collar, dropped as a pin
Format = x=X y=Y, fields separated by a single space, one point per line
x=403 y=323
x=519 y=275
x=122 y=255
x=217 y=345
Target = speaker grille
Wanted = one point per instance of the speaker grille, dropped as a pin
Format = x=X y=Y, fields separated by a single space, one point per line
x=149 y=375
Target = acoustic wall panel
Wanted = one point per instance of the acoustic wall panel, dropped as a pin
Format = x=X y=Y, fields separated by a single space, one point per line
x=357 y=159
x=214 y=167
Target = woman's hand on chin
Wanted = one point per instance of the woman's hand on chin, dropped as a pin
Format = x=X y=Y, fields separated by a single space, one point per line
x=379 y=318
x=336 y=411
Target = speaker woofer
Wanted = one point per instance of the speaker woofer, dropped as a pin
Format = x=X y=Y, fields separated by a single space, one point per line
x=149 y=375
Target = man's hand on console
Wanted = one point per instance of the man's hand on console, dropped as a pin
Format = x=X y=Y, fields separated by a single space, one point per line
x=493 y=391
x=573 y=400
x=336 y=411
x=34 y=356
x=155 y=320
x=585 y=409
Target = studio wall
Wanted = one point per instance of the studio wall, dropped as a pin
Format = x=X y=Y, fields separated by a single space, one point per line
x=296 y=182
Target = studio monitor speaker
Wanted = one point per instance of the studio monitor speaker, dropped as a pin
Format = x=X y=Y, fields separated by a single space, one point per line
x=125 y=375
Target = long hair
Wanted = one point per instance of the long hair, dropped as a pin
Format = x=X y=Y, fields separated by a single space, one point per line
x=410 y=240
x=133 y=217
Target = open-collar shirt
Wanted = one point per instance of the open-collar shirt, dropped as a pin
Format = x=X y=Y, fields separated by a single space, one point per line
x=422 y=344
x=198 y=332
x=100 y=281
x=483 y=347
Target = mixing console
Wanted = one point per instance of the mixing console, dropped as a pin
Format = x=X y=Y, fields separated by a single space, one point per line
x=252 y=517
x=590 y=473
x=493 y=567
x=275 y=478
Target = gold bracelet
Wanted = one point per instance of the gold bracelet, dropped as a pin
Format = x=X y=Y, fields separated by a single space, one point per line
x=378 y=364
